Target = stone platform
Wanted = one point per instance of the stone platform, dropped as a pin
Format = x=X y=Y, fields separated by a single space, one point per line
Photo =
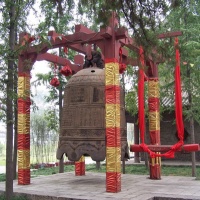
x=92 y=186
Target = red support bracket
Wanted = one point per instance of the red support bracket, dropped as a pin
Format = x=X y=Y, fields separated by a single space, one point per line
x=165 y=148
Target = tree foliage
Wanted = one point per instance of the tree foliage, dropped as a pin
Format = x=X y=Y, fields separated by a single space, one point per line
x=44 y=134
x=143 y=18
x=58 y=15
x=185 y=18
x=17 y=20
x=12 y=20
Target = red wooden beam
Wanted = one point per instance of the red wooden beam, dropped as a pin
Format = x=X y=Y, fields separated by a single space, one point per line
x=78 y=47
x=131 y=44
x=121 y=33
x=170 y=34
x=83 y=29
x=165 y=148
x=131 y=61
x=62 y=61
x=78 y=38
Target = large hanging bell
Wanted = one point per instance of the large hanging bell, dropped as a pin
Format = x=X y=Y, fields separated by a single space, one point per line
x=83 y=117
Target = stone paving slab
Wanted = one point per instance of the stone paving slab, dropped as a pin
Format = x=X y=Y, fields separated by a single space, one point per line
x=92 y=186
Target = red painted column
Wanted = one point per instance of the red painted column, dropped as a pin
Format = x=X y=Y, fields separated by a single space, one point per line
x=23 y=128
x=25 y=63
x=154 y=125
x=80 y=167
x=113 y=137
x=136 y=141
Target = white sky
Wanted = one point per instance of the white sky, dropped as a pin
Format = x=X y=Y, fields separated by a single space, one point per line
x=41 y=90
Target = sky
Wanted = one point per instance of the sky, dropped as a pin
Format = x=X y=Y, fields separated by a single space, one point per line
x=41 y=67
x=41 y=90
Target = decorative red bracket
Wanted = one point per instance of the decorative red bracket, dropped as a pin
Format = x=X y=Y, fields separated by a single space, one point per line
x=77 y=66
x=165 y=148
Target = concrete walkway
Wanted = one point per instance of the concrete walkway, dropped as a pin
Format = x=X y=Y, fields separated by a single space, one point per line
x=92 y=186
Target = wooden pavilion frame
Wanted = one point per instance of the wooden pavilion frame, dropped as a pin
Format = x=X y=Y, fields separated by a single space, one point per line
x=109 y=40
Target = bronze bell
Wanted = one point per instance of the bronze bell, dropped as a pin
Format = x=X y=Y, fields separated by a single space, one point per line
x=83 y=117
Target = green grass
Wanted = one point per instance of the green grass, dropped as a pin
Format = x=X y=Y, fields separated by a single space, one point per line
x=2 y=197
x=50 y=171
x=142 y=170
x=179 y=171
x=130 y=169
x=2 y=178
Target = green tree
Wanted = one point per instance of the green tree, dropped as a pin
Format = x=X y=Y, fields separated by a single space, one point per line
x=142 y=17
x=186 y=18
x=131 y=91
x=44 y=133
x=58 y=14
x=12 y=21
x=11 y=7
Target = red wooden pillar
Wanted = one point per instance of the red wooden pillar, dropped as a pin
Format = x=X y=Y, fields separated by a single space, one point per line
x=113 y=137
x=23 y=129
x=154 y=125
x=136 y=141
x=80 y=167
x=154 y=115
x=25 y=63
